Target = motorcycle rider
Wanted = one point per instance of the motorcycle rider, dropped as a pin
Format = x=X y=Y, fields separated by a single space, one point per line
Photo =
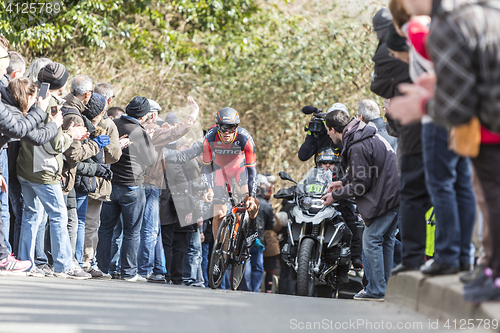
x=329 y=159
x=314 y=143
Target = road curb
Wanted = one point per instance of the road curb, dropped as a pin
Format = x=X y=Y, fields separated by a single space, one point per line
x=439 y=297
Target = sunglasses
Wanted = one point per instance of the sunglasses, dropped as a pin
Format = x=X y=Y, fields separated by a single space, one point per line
x=327 y=162
x=226 y=128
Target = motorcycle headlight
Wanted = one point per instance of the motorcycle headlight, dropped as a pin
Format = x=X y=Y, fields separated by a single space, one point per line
x=317 y=203
x=307 y=203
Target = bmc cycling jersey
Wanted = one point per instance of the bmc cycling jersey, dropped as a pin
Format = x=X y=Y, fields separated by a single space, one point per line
x=232 y=160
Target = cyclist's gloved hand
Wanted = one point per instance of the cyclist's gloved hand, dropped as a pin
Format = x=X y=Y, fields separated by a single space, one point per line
x=259 y=245
x=209 y=195
x=102 y=141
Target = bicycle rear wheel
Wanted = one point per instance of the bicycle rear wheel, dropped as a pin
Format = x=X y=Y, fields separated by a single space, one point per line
x=219 y=261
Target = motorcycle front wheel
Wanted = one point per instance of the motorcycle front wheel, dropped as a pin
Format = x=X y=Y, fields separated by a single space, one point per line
x=305 y=277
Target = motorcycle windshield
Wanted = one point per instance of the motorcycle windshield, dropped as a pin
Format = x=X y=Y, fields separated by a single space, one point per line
x=315 y=183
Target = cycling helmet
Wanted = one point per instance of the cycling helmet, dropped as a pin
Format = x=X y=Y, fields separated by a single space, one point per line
x=227 y=119
x=263 y=185
x=328 y=155
x=227 y=116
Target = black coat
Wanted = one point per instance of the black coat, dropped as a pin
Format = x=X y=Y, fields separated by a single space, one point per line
x=265 y=218
x=388 y=73
x=312 y=145
x=130 y=169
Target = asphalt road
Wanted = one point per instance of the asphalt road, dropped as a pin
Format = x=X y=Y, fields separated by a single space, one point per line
x=70 y=306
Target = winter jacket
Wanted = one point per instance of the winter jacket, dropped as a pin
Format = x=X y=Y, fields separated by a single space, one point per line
x=44 y=164
x=36 y=137
x=388 y=73
x=372 y=176
x=380 y=124
x=78 y=151
x=161 y=138
x=312 y=145
x=12 y=127
x=265 y=218
x=130 y=168
x=464 y=46
x=112 y=154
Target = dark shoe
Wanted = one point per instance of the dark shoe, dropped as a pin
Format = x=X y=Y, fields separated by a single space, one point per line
x=465 y=267
x=472 y=275
x=116 y=276
x=357 y=263
x=157 y=278
x=363 y=296
x=402 y=268
x=482 y=289
x=95 y=272
x=432 y=268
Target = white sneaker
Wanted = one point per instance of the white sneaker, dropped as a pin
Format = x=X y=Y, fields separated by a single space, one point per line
x=75 y=273
x=136 y=278
x=35 y=272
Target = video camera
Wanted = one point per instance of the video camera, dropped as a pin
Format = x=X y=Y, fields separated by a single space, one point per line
x=316 y=125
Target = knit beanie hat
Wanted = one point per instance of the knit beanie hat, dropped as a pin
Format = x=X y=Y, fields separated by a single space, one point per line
x=55 y=74
x=171 y=118
x=395 y=42
x=95 y=106
x=382 y=19
x=138 y=107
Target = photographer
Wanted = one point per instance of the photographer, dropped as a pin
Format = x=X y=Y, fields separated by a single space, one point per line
x=317 y=137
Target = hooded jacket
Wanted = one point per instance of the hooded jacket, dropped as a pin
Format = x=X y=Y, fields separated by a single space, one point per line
x=77 y=151
x=372 y=176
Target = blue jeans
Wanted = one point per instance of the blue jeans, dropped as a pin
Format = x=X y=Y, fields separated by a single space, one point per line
x=192 y=259
x=128 y=201
x=82 y=200
x=450 y=187
x=149 y=231
x=4 y=198
x=378 y=248
x=254 y=271
x=205 y=248
x=52 y=200
x=116 y=248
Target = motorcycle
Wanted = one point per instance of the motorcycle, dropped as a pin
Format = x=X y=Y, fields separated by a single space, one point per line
x=315 y=249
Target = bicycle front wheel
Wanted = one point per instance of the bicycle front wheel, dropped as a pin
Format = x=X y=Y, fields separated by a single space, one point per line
x=219 y=260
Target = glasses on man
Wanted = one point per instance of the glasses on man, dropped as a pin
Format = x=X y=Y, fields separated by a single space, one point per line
x=327 y=162
x=227 y=128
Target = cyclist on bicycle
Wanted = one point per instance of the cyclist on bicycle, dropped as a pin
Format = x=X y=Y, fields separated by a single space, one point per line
x=229 y=153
